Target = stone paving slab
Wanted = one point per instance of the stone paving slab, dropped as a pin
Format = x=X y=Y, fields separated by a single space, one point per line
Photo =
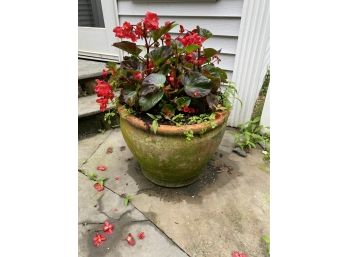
x=89 y=69
x=88 y=146
x=96 y=207
x=226 y=210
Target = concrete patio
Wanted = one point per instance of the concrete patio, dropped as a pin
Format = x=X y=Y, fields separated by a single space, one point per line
x=226 y=210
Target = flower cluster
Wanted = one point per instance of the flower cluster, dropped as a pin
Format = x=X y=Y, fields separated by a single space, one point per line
x=104 y=92
x=134 y=32
x=174 y=75
x=191 y=38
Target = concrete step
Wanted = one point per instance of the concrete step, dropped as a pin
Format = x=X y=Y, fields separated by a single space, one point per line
x=90 y=69
x=91 y=120
x=88 y=106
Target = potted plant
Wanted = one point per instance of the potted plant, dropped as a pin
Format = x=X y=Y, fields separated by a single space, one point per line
x=172 y=99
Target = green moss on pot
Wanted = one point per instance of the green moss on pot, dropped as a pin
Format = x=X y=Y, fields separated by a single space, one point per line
x=169 y=159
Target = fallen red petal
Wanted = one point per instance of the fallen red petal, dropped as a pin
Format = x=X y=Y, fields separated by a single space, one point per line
x=130 y=239
x=98 y=187
x=117 y=178
x=238 y=254
x=98 y=239
x=109 y=150
x=101 y=167
x=141 y=235
x=108 y=227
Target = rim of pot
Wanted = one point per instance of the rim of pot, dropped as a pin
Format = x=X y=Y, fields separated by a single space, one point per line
x=220 y=118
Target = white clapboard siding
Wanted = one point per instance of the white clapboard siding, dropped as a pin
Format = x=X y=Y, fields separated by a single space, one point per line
x=217 y=26
x=220 y=8
x=228 y=45
x=221 y=17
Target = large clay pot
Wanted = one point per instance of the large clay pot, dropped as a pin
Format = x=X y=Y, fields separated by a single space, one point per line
x=167 y=158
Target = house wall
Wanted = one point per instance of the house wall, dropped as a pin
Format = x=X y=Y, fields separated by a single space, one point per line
x=221 y=17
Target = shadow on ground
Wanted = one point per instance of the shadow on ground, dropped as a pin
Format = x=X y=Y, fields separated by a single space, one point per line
x=192 y=193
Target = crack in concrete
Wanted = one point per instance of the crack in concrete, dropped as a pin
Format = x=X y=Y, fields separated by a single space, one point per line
x=96 y=149
x=147 y=219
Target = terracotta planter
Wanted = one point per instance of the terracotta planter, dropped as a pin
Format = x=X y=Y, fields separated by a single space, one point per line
x=167 y=158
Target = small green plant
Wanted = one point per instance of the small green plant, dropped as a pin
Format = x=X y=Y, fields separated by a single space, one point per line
x=229 y=94
x=154 y=125
x=94 y=177
x=178 y=119
x=267 y=242
x=189 y=135
x=127 y=199
x=250 y=134
x=108 y=116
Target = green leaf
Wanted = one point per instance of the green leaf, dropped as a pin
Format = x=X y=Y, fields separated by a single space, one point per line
x=215 y=72
x=182 y=102
x=204 y=33
x=152 y=84
x=209 y=52
x=92 y=175
x=168 y=111
x=127 y=200
x=160 y=54
x=154 y=126
x=101 y=181
x=155 y=79
x=151 y=116
x=212 y=100
x=129 y=96
x=129 y=47
x=149 y=101
x=196 y=85
x=157 y=34
x=131 y=63
x=191 y=48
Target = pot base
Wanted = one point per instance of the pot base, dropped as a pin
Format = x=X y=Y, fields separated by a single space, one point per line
x=165 y=183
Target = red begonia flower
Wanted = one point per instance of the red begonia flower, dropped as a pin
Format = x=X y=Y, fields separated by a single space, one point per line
x=104 y=73
x=103 y=103
x=141 y=235
x=98 y=239
x=138 y=75
x=201 y=60
x=130 y=239
x=191 y=38
x=186 y=109
x=99 y=187
x=108 y=227
x=167 y=39
x=151 y=21
x=238 y=254
x=102 y=167
x=104 y=91
x=139 y=30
